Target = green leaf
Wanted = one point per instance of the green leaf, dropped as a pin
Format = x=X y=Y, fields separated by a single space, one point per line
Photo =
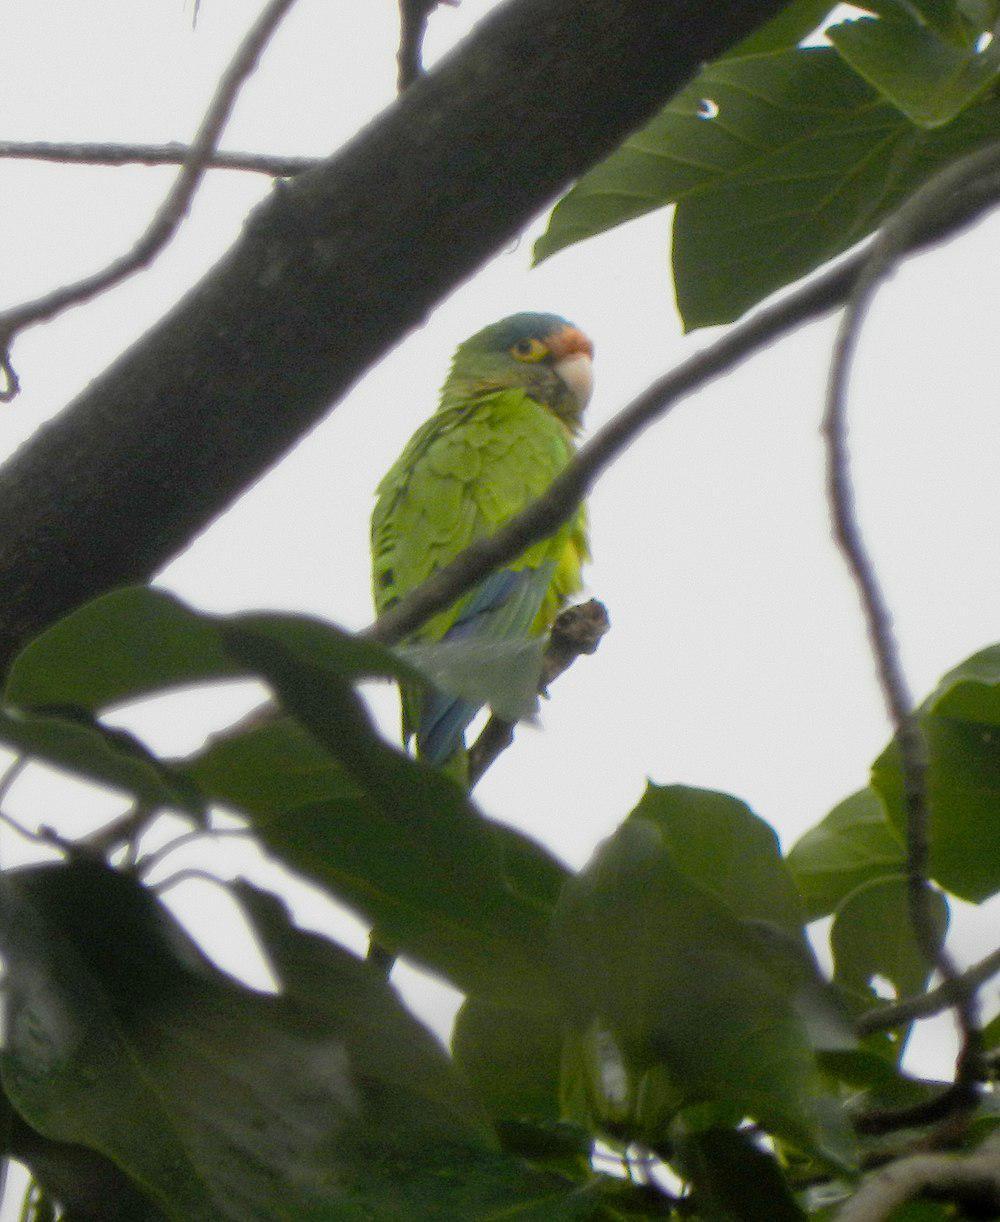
x=122 y=645
x=218 y=1102
x=657 y=967
x=390 y=1047
x=393 y=838
x=511 y=1058
x=502 y=674
x=854 y=844
x=978 y=15
x=327 y=1102
x=971 y=690
x=720 y=844
x=928 y=77
x=358 y=1008
x=961 y=722
x=787 y=29
x=805 y=200
x=872 y=935
x=136 y=641
x=801 y=161
x=732 y=1178
x=107 y=757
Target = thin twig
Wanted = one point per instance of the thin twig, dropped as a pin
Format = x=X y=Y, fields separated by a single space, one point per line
x=147 y=864
x=14 y=770
x=168 y=216
x=106 y=154
x=189 y=874
x=577 y=630
x=880 y=260
x=901 y=1013
x=971 y=1181
x=816 y=298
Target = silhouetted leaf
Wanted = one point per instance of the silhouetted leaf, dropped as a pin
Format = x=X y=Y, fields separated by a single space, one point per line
x=328 y=1102
x=137 y=641
x=657 y=966
x=777 y=162
x=854 y=844
x=872 y=936
x=393 y=838
x=961 y=722
x=732 y=1178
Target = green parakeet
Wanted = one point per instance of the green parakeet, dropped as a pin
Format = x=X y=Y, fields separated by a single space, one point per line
x=510 y=410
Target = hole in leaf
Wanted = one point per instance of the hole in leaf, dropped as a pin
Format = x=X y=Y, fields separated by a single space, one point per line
x=883 y=988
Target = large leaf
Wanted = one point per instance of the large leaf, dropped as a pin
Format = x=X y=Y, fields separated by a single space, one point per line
x=122 y=645
x=927 y=76
x=218 y=1102
x=107 y=757
x=137 y=641
x=511 y=1058
x=777 y=162
x=732 y=1178
x=445 y=1181
x=961 y=723
x=658 y=966
x=854 y=844
x=872 y=936
x=392 y=838
x=806 y=201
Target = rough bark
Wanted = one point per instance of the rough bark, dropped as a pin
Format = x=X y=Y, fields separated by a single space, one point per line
x=330 y=272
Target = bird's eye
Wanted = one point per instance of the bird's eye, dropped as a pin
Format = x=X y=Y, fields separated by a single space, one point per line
x=529 y=350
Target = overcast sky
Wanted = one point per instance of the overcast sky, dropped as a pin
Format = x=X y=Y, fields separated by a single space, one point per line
x=737 y=658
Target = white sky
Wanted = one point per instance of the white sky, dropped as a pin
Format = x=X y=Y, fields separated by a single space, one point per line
x=736 y=660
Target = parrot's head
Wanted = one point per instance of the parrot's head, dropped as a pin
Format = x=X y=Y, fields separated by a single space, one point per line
x=542 y=354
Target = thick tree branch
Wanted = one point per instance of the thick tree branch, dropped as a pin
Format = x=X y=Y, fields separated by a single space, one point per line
x=885 y=252
x=98 y=153
x=168 y=216
x=330 y=272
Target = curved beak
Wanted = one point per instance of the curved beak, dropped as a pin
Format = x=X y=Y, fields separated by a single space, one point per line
x=573 y=362
x=577 y=371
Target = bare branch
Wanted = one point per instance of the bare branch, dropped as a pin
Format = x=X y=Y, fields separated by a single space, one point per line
x=881 y=258
x=932 y=1002
x=98 y=153
x=578 y=630
x=169 y=215
x=971 y=1181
